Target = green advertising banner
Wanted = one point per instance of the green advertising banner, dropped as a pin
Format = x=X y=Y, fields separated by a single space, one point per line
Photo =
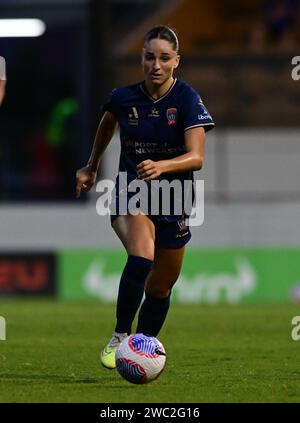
x=209 y=276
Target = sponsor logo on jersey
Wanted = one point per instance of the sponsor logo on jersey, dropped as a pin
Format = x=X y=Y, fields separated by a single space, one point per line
x=135 y=113
x=205 y=115
x=154 y=113
x=142 y=147
x=171 y=116
x=133 y=118
x=182 y=235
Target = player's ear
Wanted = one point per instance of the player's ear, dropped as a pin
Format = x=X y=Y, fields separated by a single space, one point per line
x=142 y=55
x=177 y=61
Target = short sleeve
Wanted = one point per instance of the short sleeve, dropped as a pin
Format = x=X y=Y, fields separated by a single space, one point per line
x=111 y=104
x=195 y=113
x=2 y=69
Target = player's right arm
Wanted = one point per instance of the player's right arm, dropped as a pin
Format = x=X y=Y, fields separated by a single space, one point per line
x=86 y=176
x=2 y=90
x=2 y=79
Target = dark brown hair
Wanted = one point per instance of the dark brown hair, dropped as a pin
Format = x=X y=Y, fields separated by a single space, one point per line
x=163 y=32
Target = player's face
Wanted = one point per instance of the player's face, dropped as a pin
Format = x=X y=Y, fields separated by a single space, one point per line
x=159 y=61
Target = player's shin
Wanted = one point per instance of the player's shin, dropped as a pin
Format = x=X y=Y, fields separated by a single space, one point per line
x=131 y=290
x=153 y=314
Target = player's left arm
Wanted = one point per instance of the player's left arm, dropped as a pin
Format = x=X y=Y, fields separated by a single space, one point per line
x=2 y=90
x=194 y=139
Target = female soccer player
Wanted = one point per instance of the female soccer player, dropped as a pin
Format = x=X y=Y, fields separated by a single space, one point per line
x=162 y=130
x=2 y=79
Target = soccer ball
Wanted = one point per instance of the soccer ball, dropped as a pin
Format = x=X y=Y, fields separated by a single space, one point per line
x=140 y=359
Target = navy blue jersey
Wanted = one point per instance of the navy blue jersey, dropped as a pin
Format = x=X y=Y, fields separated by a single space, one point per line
x=154 y=128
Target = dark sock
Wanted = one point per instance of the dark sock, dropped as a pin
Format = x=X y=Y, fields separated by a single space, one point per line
x=152 y=315
x=131 y=290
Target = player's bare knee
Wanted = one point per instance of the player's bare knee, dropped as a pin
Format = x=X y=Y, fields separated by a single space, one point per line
x=158 y=287
x=145 y=250
x=168 y=277
x=158 y=292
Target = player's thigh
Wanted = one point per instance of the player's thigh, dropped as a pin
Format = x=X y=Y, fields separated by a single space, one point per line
x=166 y=269
x=137 y=234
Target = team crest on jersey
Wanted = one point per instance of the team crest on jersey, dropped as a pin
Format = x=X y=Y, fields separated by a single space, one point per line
x=171 y=116
x=182 y=225
x=183 y=229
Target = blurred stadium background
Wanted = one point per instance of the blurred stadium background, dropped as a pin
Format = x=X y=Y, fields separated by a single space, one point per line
x=240 y=64
x=238 y=56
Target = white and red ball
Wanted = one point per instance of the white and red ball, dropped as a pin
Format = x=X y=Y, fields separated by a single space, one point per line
x=140 y=359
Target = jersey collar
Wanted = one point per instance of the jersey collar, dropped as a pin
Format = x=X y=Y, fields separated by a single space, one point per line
x=143 y=88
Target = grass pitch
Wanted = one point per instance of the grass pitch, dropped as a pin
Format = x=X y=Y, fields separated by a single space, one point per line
x=214 y=354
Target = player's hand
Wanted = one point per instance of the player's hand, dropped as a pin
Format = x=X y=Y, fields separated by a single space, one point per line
x=148 y=169
x=85 y=179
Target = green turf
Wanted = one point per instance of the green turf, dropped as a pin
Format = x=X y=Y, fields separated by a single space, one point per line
x=214 y=354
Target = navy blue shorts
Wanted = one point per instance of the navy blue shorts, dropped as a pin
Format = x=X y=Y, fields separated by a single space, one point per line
x=168 y=234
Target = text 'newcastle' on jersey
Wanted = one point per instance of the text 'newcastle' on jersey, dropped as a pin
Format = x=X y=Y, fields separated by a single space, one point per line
x=154 y=128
